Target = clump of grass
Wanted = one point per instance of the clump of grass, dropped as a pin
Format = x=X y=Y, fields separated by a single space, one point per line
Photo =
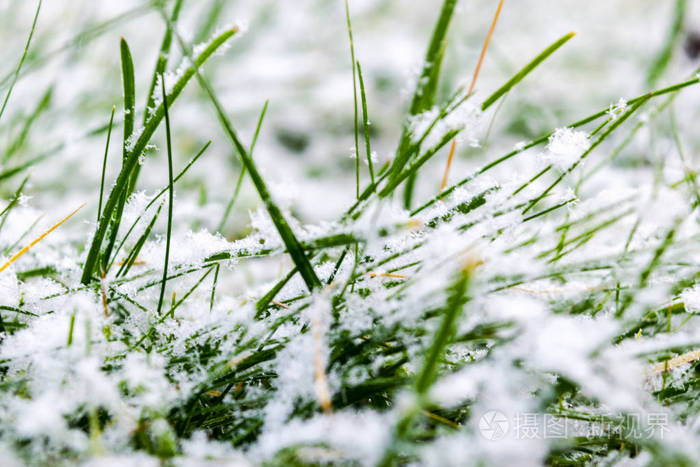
x=451 y=330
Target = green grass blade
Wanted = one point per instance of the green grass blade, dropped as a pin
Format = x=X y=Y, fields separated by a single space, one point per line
x=170 y=194
x=209 y=21
x=519 y=76
x=294 y=248
x=160 y=68
x=162 y=61
x=354 y=96
x=129 y=85
x=261 y=305
x=445 y=333
x=131 y=258
x=213 y=287
x=104 y=164
x=129 y=88
x=15 y=199
x=21 y=61
x=365 y=123
x=155 y=198
x=664 y=57
x=80 y=39
x=17 y=144
x=136 y=150
x=427 y=374
x=239 y=182
x=426 y=87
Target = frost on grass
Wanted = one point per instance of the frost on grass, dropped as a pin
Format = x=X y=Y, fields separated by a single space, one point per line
x=565 y=147
x=577 y=311
x=431 y=126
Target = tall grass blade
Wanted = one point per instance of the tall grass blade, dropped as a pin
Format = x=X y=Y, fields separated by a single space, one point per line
x=129 y=88
x=160 y=68
x=170 y=195
x=426 y=87
x=104 y=164
x=365 y=124
x=21 y=61
x=356 y=132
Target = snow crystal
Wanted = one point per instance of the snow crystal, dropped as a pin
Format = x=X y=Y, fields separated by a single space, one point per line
x=565 y=147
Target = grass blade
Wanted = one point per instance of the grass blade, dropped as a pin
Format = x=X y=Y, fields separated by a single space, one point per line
x=170 y=194
x=365 y=124
x=21 y=61
x=294 y=248
x=664 y=57
x=354 y=96
x=519 y=76
x=17 y=255
x=104 y=164
x=15 y=199
x=17 y=144
x=129 y=86
x=428 y=372
x=138 y=147
x=160 y=68
x=426 y=87
x=239 y=182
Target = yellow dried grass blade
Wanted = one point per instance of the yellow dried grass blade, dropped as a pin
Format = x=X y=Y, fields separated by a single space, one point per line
x=446 y=175
x=38 y=239
x=486 y=46
x=487 y=41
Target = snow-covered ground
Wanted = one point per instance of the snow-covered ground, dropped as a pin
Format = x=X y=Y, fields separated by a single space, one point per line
x=540 y=293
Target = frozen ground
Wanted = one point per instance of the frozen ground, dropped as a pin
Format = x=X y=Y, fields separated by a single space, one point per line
x=546 y=292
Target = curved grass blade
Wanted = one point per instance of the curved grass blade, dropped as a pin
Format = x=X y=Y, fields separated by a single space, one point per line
x=354 y=96
x=664 y=57
x=15 y=199
x=427 y=375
